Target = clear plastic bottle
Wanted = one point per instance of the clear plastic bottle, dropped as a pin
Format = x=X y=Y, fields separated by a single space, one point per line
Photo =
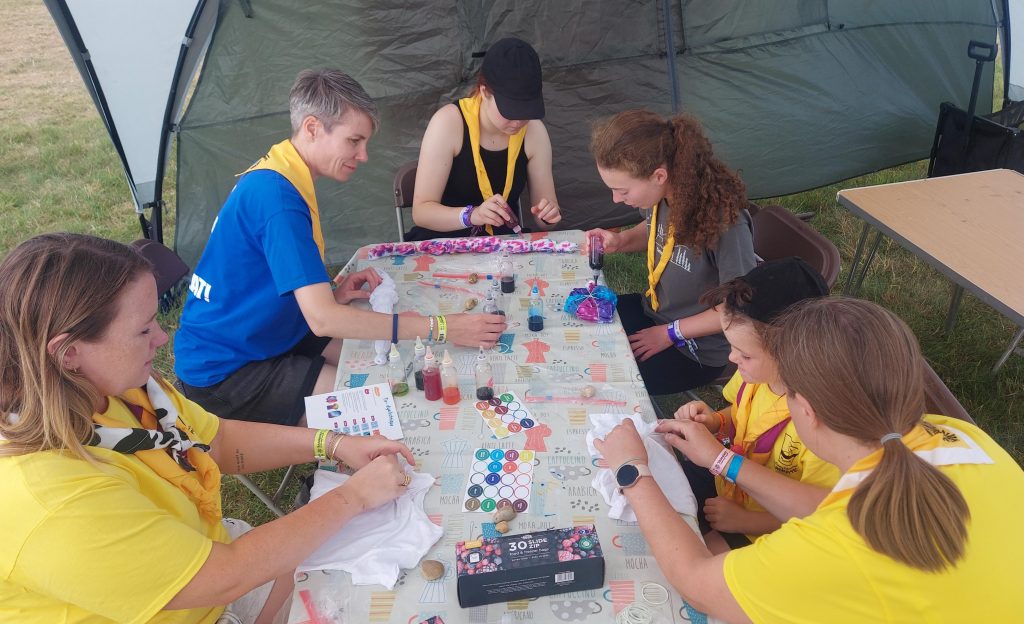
x=396 y=373
x=490 y=305
x=484 y=377
x=449 y=380
x=536 y=315
x=499 y=299
x=419 y=351
x=505 y=268
x=431 y=377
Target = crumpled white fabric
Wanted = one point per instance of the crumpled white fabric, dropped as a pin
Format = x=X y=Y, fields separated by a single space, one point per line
x=375 y=546
x=383 y=299
x=663 y=464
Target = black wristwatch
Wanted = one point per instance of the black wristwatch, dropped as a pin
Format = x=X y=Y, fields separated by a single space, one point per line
x=628 y=474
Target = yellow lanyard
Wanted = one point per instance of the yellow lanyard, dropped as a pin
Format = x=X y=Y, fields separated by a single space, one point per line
x=471 y=111
x=654 y=272
x=284 y=159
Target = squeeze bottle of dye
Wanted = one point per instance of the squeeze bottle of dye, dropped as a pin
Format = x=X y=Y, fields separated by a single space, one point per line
x=490 y=305
x=396 y=373
x=536 y=314
x=499 y=299
x=417 y=363
x=508 y=278
x=484 y=377
x=449 y=380
x=431 y=377
x=596 y=256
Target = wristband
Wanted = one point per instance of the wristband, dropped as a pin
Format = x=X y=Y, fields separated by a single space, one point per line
x=320 y=444
x=430 y=334
x=720 y=462
x=442 y=329
x=721 y=423
x=734 y=468
x=465 y=214
x=394 y=329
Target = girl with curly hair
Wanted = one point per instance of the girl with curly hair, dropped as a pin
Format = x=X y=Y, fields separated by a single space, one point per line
x=697 y=235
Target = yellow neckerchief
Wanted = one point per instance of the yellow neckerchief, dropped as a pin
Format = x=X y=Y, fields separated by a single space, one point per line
x=284 y=159
x=471 y=111
x=654 y=272
x=939 y=445
x=202 y=486
x=750 y=427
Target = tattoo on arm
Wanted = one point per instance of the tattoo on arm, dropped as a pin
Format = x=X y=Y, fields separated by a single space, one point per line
x=239 y=460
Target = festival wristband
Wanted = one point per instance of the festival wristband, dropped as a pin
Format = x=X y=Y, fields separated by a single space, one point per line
x=320 y=444
x=720 y=462
x=734 y=468
x=465 y=214
x=442 y=329
x=394 y=329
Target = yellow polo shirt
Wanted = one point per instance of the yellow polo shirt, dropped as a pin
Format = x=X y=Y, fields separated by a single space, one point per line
x=101 y=543
x=818 y=569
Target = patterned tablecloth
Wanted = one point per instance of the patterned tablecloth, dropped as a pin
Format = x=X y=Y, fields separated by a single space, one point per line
x=549 y=370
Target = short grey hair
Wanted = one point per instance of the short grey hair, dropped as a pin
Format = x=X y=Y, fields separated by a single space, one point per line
x=327 y=94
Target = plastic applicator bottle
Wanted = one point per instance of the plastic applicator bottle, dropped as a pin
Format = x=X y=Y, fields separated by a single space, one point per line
x=536 y=314
x=431 y=377
x=396 y=373
x=484 y=377
x=449 y=380
x=419 y=351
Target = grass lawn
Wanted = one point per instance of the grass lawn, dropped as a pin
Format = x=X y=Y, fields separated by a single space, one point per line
x=59 y=172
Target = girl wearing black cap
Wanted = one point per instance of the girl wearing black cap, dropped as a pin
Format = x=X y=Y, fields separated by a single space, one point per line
x=756 y=426
x=478 y=154
x=697 y=236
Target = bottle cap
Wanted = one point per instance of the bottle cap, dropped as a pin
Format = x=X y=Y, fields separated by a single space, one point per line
x=447 y=361
x=534 y=291
x=394 y=355
x=418 y=349
x=481 y=355
x=430 y=354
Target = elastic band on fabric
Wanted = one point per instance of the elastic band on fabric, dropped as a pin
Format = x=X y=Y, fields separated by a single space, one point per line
x=890 y=436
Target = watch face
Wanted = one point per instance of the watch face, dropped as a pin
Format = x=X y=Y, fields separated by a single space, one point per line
x=627 y=475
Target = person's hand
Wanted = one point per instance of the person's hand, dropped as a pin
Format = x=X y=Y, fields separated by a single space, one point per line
x=494 y=211
x=692 y=439
x=547 y=211
x=376 y=483
x=622 y=444
x=357 y=451
x=612 y=240
x=724 y=515
x=473 y=330
x=699 y=411
x=350 y=286
x=649 y=342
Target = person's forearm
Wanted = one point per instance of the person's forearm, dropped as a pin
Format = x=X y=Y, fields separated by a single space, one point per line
x=267 y=552
x=705 y=323
x=783 y=497
x=679 y=550
x=757 y=523
x=242 y=447
x=436 y=216
x=326 y=317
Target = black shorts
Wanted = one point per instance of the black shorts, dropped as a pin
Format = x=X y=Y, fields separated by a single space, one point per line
x=669 y=371
x=269 y=391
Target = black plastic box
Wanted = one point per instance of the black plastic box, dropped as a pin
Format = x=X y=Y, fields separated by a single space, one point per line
x=512 y=567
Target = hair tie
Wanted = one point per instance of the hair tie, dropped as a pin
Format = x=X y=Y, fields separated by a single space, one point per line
x=890 y=436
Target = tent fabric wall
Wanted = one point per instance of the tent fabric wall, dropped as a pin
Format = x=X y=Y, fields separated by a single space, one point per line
x=793 y=94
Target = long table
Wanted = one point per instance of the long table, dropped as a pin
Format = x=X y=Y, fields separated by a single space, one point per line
x=548 y=370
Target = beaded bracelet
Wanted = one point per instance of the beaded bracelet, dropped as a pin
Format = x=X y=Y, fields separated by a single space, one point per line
x=320 y=444
x=465 y=214
x=430 y=334
x=442 y=329
x=734 y=468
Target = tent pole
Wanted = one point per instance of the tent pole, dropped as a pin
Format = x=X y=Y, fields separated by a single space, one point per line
x=670 y=53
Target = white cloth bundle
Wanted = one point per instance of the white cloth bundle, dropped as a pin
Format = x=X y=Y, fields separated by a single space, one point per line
x=383 y=299
x=666 y=470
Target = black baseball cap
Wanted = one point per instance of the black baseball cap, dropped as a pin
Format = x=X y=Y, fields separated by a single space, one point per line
x=511 y=70
x=778 y=284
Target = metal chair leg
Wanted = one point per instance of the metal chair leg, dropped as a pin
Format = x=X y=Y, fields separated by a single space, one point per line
x=401 y=224
x=284 y=483
x=260 y=494
x=856 y=257
x=867 y=264
x=1010 y=350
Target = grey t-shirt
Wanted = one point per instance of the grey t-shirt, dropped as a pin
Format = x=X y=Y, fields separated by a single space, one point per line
x=688 y=275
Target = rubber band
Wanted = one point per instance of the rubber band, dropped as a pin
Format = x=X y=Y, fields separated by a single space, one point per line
x=890 y=436
x=635 y=613
x=654 y=593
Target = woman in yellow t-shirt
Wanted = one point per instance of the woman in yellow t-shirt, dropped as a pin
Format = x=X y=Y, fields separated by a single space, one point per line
x=917 y=529
x=110 y=479
x=757 y=424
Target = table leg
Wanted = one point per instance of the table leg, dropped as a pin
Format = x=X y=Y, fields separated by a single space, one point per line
x=954 y=307
x=1009 y=350
x=856 y=257
x=867 y=263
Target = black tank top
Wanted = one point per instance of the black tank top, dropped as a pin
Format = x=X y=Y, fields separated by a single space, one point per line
x=462 y=188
